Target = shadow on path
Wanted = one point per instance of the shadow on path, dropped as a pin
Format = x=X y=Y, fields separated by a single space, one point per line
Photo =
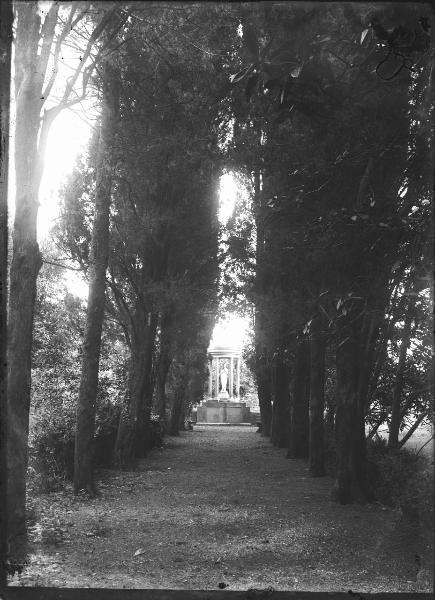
x=219 y=505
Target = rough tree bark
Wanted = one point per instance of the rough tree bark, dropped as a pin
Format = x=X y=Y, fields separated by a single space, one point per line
x=317 y=397
x=178 y=404
x=299 y=403
x=262 y=370
x=351 y=481
x=143 y=433
x=130 y=440
x=99 y=252
x=6 y=19
x=26 y=259
x=262 y=375
x=281 y=409
x=164 y=363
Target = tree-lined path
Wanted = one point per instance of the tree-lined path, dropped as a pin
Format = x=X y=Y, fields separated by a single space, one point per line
x=219 y=505
x=266 y=164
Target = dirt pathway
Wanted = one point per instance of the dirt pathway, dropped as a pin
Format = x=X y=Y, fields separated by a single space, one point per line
x=219 y=505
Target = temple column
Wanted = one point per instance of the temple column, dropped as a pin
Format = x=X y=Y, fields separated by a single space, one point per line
x=210 y=378
x=238 y=377
x=231 y=377
x=217 y=377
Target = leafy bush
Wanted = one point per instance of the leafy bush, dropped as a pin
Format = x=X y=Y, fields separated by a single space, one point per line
x=403 y=480
x=56 y=366
x=51 y=447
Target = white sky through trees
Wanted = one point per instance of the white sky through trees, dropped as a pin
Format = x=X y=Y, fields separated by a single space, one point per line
x=68 y=138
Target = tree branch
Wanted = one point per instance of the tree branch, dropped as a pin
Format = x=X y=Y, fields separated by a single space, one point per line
x=68 y=26
x=105 y=20
x=63 y=266
x=47 y=35
x=410 y=431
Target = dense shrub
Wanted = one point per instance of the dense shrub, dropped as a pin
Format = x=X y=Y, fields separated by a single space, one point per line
x=56 y=366
x=403 y=480
x=51 y=447
x=51 y=450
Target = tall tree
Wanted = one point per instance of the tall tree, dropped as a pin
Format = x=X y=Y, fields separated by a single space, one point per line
x=295 y=73
x=299 y=404
x=98 y=260
x=163 y=232
x=6 y=19
x=317 y=396
x=40 y=36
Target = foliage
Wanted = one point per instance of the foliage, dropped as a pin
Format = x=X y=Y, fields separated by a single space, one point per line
x=335 y=221
x=59 y=321
x=338 y=209
x=404 y=480
x=162 y=276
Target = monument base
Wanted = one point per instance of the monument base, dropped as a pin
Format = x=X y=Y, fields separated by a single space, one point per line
x=225 y=424
x=226 y=411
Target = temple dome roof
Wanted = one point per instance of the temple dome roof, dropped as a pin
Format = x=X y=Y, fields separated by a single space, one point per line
x=224 y=349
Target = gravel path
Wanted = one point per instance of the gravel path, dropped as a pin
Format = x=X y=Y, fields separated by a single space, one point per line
x=220 y=505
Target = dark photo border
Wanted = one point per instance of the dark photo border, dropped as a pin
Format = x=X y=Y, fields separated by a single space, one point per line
x=17 y=593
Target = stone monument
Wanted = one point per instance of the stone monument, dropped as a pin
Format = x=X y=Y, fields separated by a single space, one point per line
x=222 y=404
x=224 y=377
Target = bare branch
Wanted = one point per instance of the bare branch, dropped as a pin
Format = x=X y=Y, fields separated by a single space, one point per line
x=47 y=35
x=105 y=20
x=410 y=431
x=62 y=265
x=60 y=39
x=432 y=437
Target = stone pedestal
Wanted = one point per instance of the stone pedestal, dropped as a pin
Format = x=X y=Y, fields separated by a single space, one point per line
x=216 y=411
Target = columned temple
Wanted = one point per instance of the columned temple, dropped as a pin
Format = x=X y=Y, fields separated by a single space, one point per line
x=222 y=404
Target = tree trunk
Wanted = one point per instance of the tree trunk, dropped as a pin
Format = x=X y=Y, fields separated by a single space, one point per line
x=317 y=398
x=142 y=433
x=299 y=403
x=132 y=428
x=396 y=413
x=178 y=405
x=6 y=20
x=124 y=451
x=351 y=482
x=264 y=396
x=86 y=406
x=33 y=50
x=262 y=371
x=330 y=418
x=26 y=262
x=162 y=376
x=281 y=409
x=163 y=366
